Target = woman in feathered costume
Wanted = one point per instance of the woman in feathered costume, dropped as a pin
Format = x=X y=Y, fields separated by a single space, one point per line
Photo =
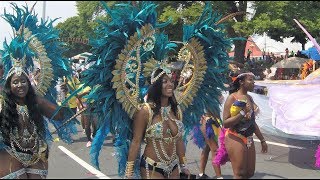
x=211 y=127
x=24 y=134
x=239 y=119
x=130 y=56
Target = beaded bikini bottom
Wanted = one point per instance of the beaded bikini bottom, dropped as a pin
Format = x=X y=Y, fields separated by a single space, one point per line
x=162 y=168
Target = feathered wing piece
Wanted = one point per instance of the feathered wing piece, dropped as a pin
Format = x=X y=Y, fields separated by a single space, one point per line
x=120 y=50
x=37 y=43
x=221 y=157
x=317 y=155
x=126 y=52
x=205 y=55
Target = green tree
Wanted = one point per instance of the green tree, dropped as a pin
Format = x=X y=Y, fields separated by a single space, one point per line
x=179 y=12
x=239 y=27
x=71 y=28
x=82 y=26
x=276 y=19
x=188 y=12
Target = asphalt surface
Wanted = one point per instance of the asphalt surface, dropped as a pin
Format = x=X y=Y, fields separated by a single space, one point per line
x=293 y=162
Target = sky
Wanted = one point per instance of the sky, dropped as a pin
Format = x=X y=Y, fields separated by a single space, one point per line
x=54 y=9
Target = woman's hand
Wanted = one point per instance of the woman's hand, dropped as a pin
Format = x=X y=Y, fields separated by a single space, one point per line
x=264 y=147
x=247 y=109
x=186 y=171
x=248 y=115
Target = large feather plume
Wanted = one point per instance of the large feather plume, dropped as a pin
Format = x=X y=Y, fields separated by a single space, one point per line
x=215 y=43
x=111 y=39
x=27 y=28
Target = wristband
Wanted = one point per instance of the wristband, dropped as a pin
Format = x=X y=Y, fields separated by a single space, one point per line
x=183 y=166
x=242 y=113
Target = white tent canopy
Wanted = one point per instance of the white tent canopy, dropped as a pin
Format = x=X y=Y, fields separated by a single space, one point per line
x=292 y=62
x=277 y=47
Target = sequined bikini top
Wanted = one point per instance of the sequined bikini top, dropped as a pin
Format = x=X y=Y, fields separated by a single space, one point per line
x=155 y=131
x=245 y=127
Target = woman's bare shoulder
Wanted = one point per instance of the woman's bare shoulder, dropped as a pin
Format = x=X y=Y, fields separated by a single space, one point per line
x=145 y=109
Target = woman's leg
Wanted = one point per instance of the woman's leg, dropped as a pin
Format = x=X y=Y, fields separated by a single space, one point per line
x=38 y=170
x=251 y=160
x=204 y=159
x=237 y=152
x=9 y=166
x=213 y=148
x=94 y=122
x=87 y=125
x=175 y=174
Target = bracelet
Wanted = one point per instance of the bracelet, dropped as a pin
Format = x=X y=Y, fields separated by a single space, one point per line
x=184 y=159
x=129 y=169
x=183 y=166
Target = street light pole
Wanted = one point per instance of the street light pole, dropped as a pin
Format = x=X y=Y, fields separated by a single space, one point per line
x=44 y=10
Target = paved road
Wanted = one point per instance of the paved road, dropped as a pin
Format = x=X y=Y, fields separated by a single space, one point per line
x=280 y=162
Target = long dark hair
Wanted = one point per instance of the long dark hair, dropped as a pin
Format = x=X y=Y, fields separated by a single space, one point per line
x=155 y=92
x=9 y=117
x=235 y=85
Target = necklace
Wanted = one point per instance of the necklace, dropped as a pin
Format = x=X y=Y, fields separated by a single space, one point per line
x=23 y=111
x=165 y=111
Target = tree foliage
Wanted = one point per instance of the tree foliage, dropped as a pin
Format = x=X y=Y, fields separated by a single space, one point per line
x=179 y=12
x=276 y=19
x=82 y=26
x=273 y=17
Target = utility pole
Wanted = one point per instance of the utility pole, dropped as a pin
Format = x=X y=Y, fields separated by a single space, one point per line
x=265 y=42
x=44 y=10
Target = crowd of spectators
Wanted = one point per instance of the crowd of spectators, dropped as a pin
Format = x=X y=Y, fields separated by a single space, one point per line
x=257 y=65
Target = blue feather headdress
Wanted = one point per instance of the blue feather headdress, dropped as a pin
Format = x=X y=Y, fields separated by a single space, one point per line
x=126 y=52
x=126 y=42
x=36 y=44
x=209 y=66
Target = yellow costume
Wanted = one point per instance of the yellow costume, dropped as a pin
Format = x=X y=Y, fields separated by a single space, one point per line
x=73 y=84
x=237 y=106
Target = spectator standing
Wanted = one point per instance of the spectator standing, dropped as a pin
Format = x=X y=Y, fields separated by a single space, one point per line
x=287 y=53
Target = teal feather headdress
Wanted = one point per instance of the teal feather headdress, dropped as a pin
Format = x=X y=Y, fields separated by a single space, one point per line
x=122 y=46
x=36 y=43
x=208 y=44
x=125 y=53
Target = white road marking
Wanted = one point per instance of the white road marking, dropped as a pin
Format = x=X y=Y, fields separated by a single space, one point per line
x=90 y=168
x=280 y=144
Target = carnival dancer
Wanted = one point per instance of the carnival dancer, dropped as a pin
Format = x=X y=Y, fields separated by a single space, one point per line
x=240 y=125
x=24 y=135
x=210 y=128
x=88 y=118
x=132 y=54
